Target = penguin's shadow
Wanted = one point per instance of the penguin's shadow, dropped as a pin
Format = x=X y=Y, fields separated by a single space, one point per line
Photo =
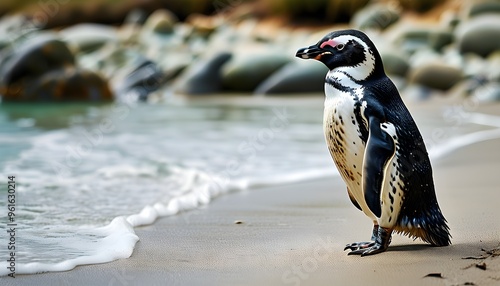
x=409 y=247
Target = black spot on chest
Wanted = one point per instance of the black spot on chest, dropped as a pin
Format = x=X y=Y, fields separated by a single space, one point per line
x=341 y=141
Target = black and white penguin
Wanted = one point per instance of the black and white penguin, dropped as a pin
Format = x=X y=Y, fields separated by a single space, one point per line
x=375 y=144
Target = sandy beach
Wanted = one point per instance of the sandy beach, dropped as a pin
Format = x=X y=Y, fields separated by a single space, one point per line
x=294 y=235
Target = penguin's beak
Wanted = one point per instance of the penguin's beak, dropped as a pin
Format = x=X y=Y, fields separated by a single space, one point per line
x=311 y=52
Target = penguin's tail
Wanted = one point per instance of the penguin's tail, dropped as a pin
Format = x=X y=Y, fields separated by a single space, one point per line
x=430 y=226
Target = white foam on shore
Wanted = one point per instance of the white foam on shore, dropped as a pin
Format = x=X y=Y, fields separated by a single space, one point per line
x=118 y=242
x=213 y=186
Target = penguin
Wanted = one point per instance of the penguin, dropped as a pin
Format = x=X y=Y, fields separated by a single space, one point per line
x=376 y=145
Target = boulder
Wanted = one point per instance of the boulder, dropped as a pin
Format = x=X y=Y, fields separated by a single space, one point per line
x=481 y=8
x=246 y=71
x=375 y=16
x=68 y=84
x=43 y=69
x=295 y=77
x=89 y=37
x=395 y=63
x=411 y=39
x=479 y=35
x=145 y=78
x=436 y=75
x=203 y=76
x=162 y=21
x=14 y=28
x=35 y=57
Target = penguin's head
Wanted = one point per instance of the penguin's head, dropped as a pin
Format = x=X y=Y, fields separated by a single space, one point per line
x=348 y=51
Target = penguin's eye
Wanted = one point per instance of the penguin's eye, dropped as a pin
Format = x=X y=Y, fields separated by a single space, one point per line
x=340 y=47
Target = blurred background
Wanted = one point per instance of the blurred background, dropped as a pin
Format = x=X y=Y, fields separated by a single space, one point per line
x=104 y=50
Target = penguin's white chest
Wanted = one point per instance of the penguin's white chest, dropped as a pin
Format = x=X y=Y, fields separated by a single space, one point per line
x=343 y=138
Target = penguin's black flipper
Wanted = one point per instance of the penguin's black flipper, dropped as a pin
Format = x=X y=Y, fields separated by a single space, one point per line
x=379 y=149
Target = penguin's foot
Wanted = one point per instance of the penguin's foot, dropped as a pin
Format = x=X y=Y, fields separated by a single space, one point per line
x=380 y=244
x=374 y=249
x=359 y=245
x=364 y=245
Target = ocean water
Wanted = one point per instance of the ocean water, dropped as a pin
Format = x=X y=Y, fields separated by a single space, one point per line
x=86 y=175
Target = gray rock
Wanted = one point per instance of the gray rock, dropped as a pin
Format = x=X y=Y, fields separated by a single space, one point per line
x=15 y=29
x=481 y=8
x=295 y=77
x=35 y=57
x=203 y=76
x=395 y=63
x=161 y=21
x=145 y=78
x=479 y=35
x=436 y=75
x=89 y=37
x=439 y=39
x=245 y=72
x=375 y=16
x=59 y=85
x=413 y=39
x=136 y=17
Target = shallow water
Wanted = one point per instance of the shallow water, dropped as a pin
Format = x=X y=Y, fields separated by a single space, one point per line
x=79 y=167
x=86 y=175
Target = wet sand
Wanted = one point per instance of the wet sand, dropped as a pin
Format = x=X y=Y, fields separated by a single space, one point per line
x=295 y=234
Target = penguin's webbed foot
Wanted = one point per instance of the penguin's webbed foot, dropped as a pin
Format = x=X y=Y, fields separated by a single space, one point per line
x=366 y=244
x=373 y=249
x=359 y=245
x=381 y=243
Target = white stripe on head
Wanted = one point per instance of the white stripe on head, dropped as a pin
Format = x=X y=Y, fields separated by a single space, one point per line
x=362 y=70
